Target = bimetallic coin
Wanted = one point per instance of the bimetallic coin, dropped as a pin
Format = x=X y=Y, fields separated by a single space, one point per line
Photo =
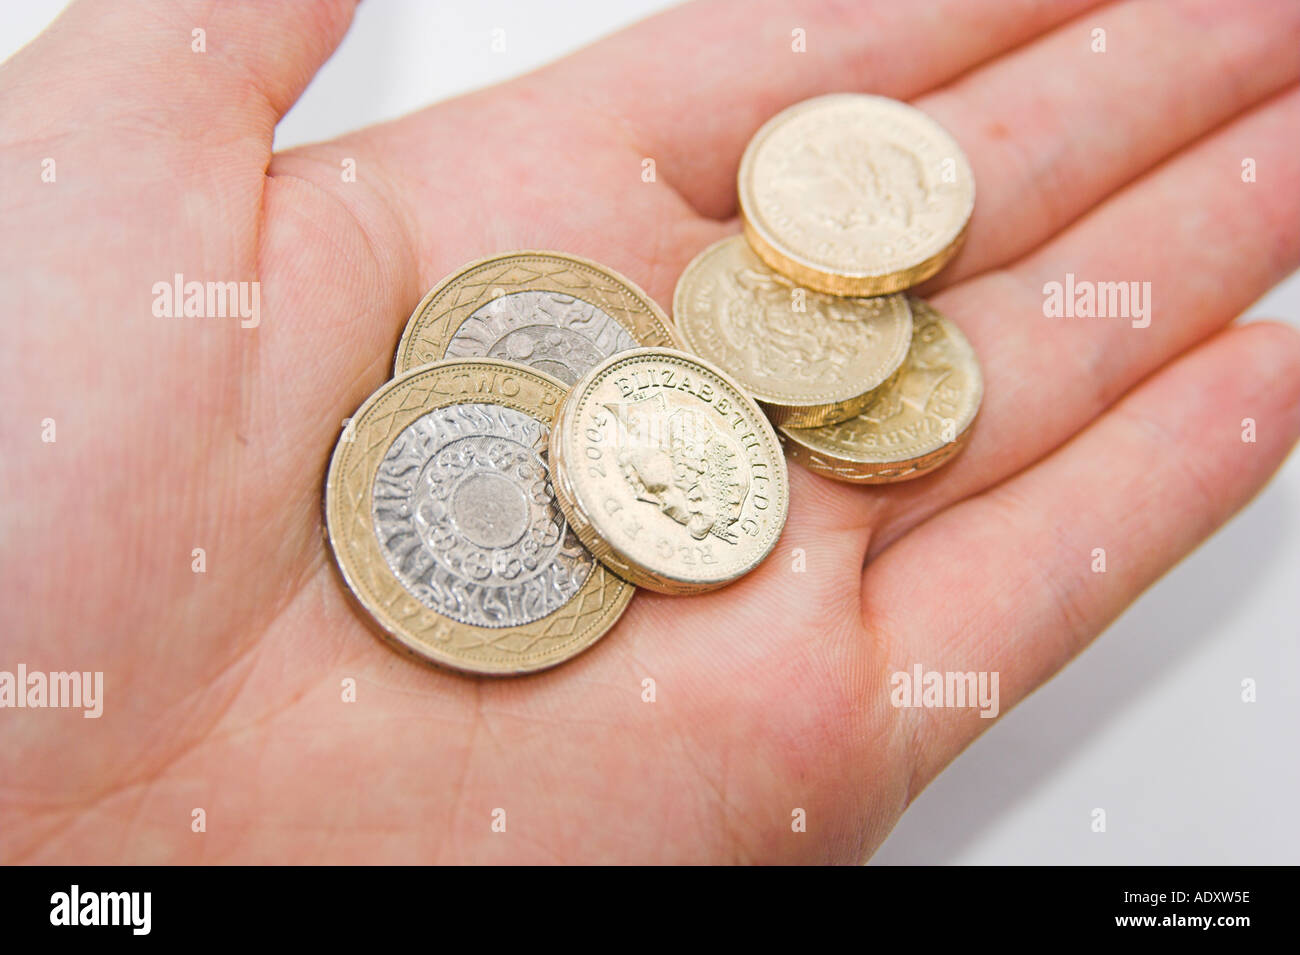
x=855 y=195
x=913 y=424
x=808 y=358
x=668 y=471
x=443 y=520
x=555 y=312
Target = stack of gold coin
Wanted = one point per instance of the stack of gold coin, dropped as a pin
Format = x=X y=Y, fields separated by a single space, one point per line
x=847 y=201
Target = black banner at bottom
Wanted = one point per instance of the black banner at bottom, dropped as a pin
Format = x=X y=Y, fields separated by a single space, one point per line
x=369 y=904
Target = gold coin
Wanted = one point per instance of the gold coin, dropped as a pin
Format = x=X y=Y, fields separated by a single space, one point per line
x=669 y=472
x=912 y=425
x=808 y=358
x=855 y=195
x=441 y=513
x=558 y=313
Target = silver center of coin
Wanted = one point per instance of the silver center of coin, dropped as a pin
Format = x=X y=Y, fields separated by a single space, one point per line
x=491 y=511
x=467 y=520
x=558 y=334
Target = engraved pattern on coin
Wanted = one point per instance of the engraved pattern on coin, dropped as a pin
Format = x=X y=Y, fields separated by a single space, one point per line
x=556 y=333
x=481 y=289
x=679 y=462
x=669 y=472
x=787 y=344
x=855 y=187
x=407 y=621
x=466 y=518
x=876 y=186
x=908 y=418
x=910 y=426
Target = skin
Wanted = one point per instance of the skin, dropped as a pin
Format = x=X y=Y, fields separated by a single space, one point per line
x=223 y=689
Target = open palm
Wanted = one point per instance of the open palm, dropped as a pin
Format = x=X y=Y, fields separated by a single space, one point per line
x=224 y=689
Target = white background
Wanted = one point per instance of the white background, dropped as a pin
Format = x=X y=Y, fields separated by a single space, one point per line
x=1147 y=724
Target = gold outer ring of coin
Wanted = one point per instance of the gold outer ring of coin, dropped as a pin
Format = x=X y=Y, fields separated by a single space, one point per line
x=872 y=273
x=407 y=623
x=435 y=320
x=942 y=374
x=670 y=573
x=710 y=284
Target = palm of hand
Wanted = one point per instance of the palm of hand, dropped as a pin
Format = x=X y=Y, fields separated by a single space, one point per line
x=224 y=689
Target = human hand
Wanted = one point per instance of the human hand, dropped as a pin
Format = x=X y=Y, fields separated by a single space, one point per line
x=223 y=688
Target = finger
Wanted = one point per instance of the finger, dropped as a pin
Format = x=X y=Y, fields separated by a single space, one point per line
x=689 y=87
x=1056 y=126
x=199 y=72
x=1207 y=243
x=1012 y=579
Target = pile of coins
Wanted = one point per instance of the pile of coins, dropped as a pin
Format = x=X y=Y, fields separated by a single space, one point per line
x=548 y=443
x=846 y=200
